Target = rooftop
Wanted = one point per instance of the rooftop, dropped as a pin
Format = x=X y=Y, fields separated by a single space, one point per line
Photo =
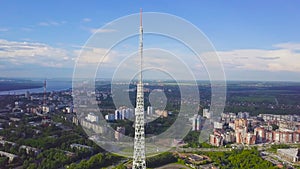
x=295 y=152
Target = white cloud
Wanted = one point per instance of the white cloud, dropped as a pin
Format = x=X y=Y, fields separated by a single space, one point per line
x=51 y=23
x=86 y=20
x=21 y=53
x=93 y=56
x=284 y=57
x=291 y=46
x=126 y=63
x=94 y=30
x=26 y=29
x=98 y=30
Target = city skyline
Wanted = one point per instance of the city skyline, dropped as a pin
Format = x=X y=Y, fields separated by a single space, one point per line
x=255 y=40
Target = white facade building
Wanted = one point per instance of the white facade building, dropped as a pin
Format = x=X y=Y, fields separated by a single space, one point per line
x=149 y=110
x=218 y=125
x=196 y=121
x=110 y=117
x=91 y=117
x=207 y=113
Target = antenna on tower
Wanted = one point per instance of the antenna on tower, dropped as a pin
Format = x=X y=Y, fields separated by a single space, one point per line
x=141 y=45
x=45 y=85
x=141 y=17
x=139 y=161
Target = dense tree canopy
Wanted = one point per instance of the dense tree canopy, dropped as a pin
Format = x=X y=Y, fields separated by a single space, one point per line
x=161 y=159
x=246 y=159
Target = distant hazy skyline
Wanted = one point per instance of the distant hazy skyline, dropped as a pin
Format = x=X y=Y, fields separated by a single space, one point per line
x=256 y=40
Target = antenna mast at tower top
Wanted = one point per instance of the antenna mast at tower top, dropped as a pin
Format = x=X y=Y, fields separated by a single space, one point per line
x=141 y=45
x=139 y=159
x=141 y=17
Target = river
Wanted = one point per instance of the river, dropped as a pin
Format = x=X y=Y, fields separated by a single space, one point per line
x=52 y=85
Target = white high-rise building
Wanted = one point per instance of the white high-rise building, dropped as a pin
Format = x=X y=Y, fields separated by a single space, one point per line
x=196 y=123
x=123 y=113
x=149 y=110
x=118 y=115
x=129 y=113
x=126 y=113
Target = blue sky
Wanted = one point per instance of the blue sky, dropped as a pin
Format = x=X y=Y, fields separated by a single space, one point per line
x=265 y=32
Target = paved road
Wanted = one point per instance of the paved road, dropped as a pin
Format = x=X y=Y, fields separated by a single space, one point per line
x=277 y=158
x=271 y=160
x=201 y=149
x=173 y=166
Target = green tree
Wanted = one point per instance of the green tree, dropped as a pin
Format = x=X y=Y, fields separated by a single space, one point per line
x=160 y=160
x=3 y=161
x=32 y=166
x=274 y=127
x=121 y=166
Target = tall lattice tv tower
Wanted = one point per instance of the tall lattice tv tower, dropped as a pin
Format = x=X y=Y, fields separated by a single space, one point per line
x=139 y=161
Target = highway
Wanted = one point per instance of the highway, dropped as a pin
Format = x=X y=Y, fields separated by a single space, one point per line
x=200 y=149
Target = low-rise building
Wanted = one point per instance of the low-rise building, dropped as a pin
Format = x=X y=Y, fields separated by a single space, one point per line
x=80 y=146
x=243 y=115
x=228 y=117
x=3 y=142
x=161 y=113
x=110 y=117
x=91 y=117
x=29 y=150
x=292 y=154
x=97 y=128
x=178 y=142
x=207 y=114
x=218 y=125
x=11 y=157
x=119 y=133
